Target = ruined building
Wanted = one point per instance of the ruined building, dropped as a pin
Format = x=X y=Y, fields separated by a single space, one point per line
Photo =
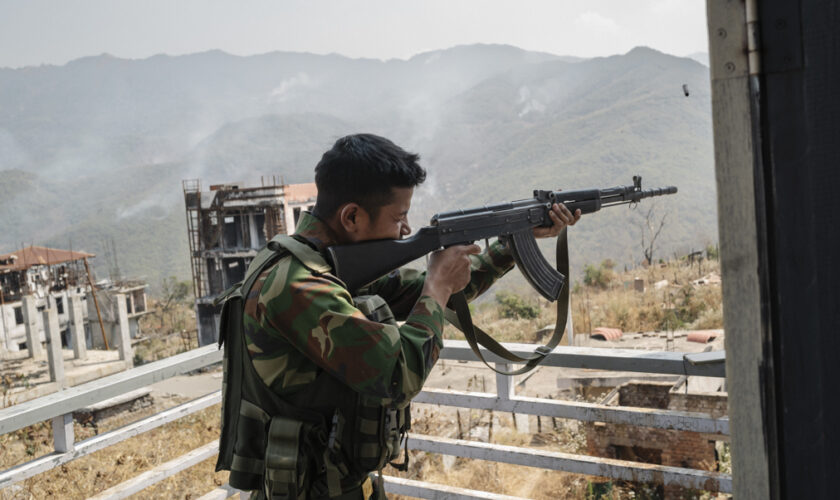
x=675 y=448
x=226 y=227
x=36 y=278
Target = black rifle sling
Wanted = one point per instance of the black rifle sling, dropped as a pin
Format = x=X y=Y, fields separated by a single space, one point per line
x=461 y=319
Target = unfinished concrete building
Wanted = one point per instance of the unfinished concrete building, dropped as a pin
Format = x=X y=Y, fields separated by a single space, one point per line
x=31 y=279
x=120 y=303
x=35 y=278
x=226 y=226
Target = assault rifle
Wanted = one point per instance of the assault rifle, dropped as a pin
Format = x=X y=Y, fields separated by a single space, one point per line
x=361 y=263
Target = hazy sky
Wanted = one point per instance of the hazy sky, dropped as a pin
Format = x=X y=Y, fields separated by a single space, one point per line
x=34 y=32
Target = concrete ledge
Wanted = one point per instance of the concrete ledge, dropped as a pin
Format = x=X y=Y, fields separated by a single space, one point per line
x=20 y=395
x=609 y=379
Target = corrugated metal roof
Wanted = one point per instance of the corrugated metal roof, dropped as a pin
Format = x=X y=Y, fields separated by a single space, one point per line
x=703 y=336
x=604 y=333
x=39 y=256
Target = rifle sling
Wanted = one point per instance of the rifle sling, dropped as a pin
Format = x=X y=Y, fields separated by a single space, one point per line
x=461 y=319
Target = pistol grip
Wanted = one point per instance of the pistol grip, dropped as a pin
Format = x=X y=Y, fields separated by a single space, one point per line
x=539 y=273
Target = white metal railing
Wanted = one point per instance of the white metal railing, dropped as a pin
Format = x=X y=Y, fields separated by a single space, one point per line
x=59 y=408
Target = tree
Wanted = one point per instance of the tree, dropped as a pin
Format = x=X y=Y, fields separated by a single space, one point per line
x=172 y=293
x=650 y=232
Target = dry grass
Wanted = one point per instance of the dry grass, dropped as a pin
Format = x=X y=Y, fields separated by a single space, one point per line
x=681 y=304
x=91 y=474
x=167 y=331
x=497 y=477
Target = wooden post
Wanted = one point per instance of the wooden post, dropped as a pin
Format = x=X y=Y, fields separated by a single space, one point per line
x=96 y=303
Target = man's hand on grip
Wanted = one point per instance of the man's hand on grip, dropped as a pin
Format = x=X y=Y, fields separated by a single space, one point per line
x=448 y=271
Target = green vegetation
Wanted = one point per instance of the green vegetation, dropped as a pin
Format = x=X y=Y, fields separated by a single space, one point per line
x=515 y=307
x=599 y=276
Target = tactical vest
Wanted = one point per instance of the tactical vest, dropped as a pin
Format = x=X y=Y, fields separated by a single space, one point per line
x=320 y=441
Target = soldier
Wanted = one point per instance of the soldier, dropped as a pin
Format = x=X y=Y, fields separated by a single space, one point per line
x=317 y=381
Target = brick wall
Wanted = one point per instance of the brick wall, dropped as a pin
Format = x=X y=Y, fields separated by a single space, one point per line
x=659 y=446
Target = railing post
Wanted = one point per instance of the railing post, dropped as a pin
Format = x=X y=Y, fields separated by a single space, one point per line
x=506 y=391
x=63 y=438
x=54 y=354
x=77 y=326
x=30 y=321
x=504 y=383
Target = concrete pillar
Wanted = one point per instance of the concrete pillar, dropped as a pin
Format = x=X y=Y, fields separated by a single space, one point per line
x=289 y=218
x=30 y=323
x=126 y=352
x=77 y=326
x=53 y=334
x=4 y=324
x=570 y=327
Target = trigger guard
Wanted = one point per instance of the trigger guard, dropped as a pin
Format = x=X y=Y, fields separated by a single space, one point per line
x=537 y=271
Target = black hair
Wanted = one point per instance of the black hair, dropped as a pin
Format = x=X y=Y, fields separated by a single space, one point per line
x=363 y=168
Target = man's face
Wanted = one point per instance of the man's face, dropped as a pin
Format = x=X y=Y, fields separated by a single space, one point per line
x=392 y=221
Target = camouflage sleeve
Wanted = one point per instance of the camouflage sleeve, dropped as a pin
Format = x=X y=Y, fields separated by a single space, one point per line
x=317 y=317
x=487 y=267
x=401 y=288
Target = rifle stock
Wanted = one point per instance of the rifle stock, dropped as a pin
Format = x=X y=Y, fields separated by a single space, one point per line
x=349 y=261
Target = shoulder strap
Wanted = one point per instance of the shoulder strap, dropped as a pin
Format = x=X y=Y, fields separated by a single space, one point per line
x=308 y=256
x=461 y=319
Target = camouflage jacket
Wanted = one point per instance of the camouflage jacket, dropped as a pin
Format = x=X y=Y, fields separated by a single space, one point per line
x=298 y=323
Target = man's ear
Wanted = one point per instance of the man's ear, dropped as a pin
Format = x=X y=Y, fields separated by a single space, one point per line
x=352 y=218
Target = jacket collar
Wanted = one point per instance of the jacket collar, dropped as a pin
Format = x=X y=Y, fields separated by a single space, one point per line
x=316 y=231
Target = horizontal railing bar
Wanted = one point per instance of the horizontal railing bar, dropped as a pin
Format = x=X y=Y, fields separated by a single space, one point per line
x=96 y=443
x=396 y=486
x=423 y=489
x=224 y=492
x=588 y=412
x=53 y=405
x=71 y=399
x=159 y=473
x=710 y=364
x=577 y=464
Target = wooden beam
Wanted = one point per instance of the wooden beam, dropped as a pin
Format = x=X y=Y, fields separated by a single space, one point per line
x=750 y=364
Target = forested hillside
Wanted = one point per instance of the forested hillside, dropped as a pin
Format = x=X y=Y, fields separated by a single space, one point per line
x=97 y=148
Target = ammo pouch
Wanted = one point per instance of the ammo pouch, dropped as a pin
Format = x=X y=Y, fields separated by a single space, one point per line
x=375 y=308
x=272 y=449
x=376 y=449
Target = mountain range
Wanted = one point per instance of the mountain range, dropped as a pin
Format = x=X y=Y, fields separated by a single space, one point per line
x=96 y=149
